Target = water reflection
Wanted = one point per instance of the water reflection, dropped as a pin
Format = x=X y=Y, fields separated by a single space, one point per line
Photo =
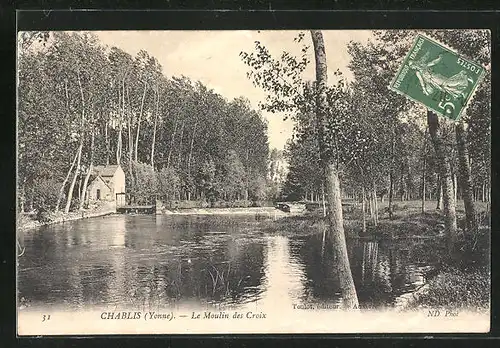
x=147 y=261
x=284 y=275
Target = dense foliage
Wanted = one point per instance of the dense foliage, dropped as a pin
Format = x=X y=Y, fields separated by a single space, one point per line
x=83 y=104
x=381 y=136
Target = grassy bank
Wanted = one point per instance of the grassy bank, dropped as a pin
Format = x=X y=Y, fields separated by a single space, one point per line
x=458 y=289
x=32 y=221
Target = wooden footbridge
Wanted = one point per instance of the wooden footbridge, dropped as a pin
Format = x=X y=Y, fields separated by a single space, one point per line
x=123 y=208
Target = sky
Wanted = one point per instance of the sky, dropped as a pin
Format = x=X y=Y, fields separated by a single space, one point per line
x=212 y=57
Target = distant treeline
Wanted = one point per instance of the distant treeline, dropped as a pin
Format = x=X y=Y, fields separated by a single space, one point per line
x=83 y=104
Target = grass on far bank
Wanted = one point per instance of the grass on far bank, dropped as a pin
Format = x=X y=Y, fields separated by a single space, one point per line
x=407 y=221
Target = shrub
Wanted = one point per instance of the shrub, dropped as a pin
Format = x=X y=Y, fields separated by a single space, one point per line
x=456 y=288
x=45 y=194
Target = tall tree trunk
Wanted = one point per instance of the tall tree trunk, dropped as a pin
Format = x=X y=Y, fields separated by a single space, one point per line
x=336 y=233
x=401 y=183
x=22 y=196
x=455 y=186
x=443 y=162
x=391 y=173
x=424 y=162
x=180 y=146
x=363 y=206
x=465 y=178
x=73 y=182
x=246 y=176
x=154 y=127
x=89 y=171
x=139 y=122
x=32 y=195
x=130 y=144
x=323 y=199
x=375 y=203
x=79 y=157
x=370 y=205
x=483 y=189
x=172 y=143
x=106 y=140
x=439 y=193
x=119 y=145
x=63 y=185
x=191 y=149
x=190 y=157
x=79 y=187
x=121 y=112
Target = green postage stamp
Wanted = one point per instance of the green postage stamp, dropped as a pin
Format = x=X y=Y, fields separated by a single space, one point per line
x=437 y=77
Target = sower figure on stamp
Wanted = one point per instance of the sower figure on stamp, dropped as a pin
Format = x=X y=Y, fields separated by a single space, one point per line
x=431 y=81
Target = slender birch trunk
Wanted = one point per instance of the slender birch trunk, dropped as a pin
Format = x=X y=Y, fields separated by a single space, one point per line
x=63 y=185
x=106 y=140
x=483 y=191
x=391 y=174
x=82 y=123
x=336 y=233
x=139 y=120
x=130 y=141
x=455 y=186
x=375 y=206
x=180 y=145
x=155 y=127
x=189 y=158
x=89 y=171
x=191 y=149
x=424 y=163
x=73 y=182
x=439 y=194
x=363 y=206
x=443 y=161
x=121 y=111
x=79 y=187
x=370 y=204
x=172 y=143
x=323 y=199
x=246 y=177
x=22 y=196
x=465 y=178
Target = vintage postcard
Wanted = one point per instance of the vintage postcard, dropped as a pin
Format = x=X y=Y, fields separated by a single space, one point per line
x=225 y=182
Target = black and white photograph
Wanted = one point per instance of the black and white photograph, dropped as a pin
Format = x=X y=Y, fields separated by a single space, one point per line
x=253 y=181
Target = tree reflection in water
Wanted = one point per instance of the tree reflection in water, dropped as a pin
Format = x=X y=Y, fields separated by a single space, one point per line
x=382 y=269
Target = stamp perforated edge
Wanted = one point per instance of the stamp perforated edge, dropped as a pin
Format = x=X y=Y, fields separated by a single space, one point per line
x=438 y=42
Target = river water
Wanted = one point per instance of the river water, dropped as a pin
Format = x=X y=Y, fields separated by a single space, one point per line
x=163 y=260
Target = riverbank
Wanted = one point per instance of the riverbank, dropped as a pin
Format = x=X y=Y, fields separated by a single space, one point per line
x=267 y=211
x=456 y=289
x=26 y=222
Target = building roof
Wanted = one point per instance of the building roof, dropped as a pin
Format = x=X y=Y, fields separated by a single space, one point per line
x=105 y=171
x=94 y=177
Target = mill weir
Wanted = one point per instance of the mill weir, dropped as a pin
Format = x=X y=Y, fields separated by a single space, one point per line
x=136 y=209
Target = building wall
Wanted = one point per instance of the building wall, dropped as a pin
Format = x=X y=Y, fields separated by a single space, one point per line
x=119 y=181
x=98 y=184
